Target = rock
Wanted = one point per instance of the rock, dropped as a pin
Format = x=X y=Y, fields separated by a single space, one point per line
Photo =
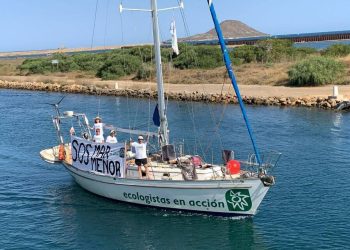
x=283 y=100
x=91 y=89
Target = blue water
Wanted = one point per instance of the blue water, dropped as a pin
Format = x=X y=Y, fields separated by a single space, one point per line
x=321 y=45
x=41 y=207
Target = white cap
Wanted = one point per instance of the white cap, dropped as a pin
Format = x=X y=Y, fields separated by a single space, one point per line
x=140 y=137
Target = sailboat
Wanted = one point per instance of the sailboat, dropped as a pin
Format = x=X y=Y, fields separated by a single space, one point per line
x=178 y=181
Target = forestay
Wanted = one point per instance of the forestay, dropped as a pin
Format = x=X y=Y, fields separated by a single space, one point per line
x=107 y=158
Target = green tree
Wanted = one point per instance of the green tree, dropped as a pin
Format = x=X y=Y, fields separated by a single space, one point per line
x=273 y=50
x=119 y=65
x=187 y=59
x=246 y=53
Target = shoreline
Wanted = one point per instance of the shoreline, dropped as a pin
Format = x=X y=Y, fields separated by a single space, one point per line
x=317 y=97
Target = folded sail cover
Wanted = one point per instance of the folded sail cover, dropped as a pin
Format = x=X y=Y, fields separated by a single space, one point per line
x=174 y=44
x=101 y=158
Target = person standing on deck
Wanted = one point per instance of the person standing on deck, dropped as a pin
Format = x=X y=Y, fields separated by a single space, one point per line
x=141 y=155
x=112 y=137
x=98 y=125
x=98 y=138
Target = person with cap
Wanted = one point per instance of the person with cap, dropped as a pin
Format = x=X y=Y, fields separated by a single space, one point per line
x=112 y=137
x=141 y=155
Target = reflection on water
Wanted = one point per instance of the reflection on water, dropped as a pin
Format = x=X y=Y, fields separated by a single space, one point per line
x=116 y=223
x=337 y=120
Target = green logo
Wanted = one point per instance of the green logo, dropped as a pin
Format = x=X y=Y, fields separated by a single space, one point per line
x=238 y=200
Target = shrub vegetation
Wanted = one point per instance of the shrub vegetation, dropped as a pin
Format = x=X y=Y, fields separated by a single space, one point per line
x=137 y=62
x=337 y=50
x=315 y=71
x=271 y=51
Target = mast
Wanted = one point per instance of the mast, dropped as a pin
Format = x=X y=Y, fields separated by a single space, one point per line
x=232 y=77
x=163 y=129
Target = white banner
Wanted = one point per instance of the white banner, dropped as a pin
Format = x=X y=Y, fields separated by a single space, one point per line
x=104 y=158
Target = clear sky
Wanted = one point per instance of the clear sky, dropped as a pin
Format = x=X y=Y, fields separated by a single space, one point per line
x=51 y=24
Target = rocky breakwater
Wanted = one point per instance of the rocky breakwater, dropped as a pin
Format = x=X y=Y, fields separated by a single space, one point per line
x=316 y=102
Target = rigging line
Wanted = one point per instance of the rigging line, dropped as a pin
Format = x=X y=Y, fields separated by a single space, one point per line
x=143 y=62
x=136 y=113
x=128 y=112
x=122 y=36
x=192 y=113
x=216 y=130
x=138 y=104
x=141 y=124
x=197 y=65
x=195 y=130
x=149 y=113
x=93 y=30
x=122 y=50
x=218 y=123
x=184 y=19
x=149 y=96
x=122 y=26
x=106 y=23
x=228 y=65
x=99 y=104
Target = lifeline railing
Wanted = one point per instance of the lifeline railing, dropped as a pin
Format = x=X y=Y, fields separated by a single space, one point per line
x=269 y=161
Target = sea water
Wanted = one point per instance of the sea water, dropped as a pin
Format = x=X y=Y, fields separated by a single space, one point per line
x=322 y=44
x=41 y=207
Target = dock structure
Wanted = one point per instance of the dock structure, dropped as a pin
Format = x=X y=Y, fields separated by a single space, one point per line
x=296 y=38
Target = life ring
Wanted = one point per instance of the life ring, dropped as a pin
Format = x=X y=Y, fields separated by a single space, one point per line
x=61 y=152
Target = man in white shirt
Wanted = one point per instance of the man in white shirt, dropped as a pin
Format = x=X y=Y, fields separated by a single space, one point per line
x=141 y=155
x=112 y=137
x=98 y=137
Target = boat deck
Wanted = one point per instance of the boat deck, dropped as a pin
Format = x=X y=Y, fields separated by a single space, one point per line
x=157 y=170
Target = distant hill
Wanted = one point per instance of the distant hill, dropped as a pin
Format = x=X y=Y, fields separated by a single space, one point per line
x=230 y=29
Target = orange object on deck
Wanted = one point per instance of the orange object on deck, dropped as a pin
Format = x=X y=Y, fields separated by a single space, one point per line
x=61 y=153
x=233 y=167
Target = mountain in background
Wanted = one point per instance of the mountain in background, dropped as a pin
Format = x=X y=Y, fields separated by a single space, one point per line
x=230 y=29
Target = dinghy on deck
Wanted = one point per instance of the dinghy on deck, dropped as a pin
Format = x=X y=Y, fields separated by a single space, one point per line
x=51 y=155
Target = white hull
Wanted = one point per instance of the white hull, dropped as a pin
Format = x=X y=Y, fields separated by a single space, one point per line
x=227 y=197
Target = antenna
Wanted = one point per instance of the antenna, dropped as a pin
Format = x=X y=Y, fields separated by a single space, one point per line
x=56 y=106
x=180 y=6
